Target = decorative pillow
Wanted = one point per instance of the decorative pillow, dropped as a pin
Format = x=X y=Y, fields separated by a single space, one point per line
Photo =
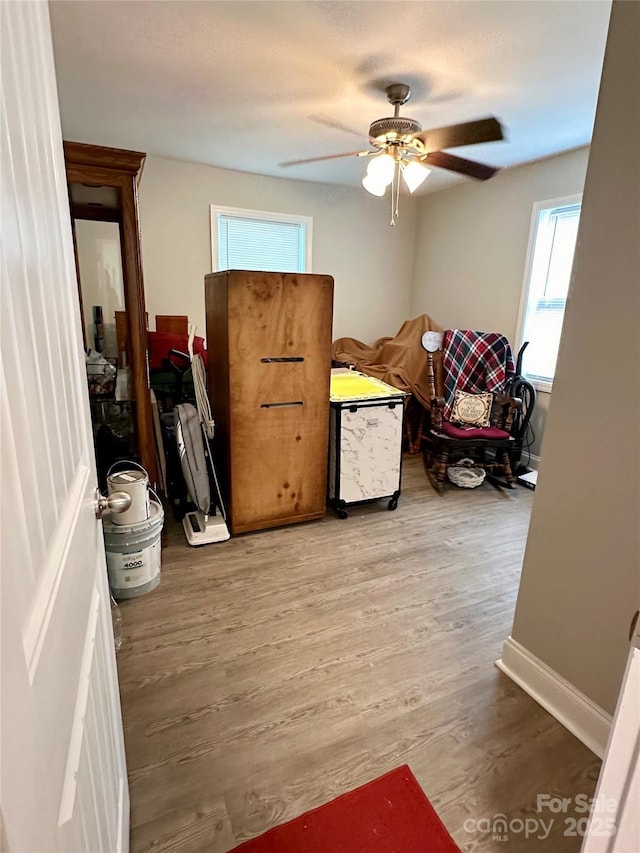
x=472 y=409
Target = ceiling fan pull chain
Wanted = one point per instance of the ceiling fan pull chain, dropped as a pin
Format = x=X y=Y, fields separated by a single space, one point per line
x=395 y=193
x=393 y=221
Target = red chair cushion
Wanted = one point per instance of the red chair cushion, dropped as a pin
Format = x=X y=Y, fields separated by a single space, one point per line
x=487 y=433
x=161 y=342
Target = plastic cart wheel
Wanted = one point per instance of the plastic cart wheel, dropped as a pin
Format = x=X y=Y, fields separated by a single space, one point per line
x=342 y=513
x=393 y=504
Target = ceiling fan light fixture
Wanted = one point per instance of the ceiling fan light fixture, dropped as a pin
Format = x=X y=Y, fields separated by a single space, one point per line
x=414 y=173
x=397 y=144
x=381 y=169
x=373 y=186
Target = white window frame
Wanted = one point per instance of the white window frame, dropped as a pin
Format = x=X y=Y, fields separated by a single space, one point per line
x=216 y=209
x=563 y=201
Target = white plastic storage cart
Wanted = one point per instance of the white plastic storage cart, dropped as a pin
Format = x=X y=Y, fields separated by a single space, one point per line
x=365 y=441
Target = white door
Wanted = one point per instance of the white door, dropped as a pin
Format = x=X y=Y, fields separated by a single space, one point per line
x=614 y=824
x=64 y=783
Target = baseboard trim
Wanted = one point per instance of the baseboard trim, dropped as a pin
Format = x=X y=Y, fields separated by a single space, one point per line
x=577 y=713
x=533 y=462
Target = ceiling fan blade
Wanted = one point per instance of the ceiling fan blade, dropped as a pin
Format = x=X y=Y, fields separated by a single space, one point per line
x=469 y=133
x=328 y=121
x=458 y=164
x=327 y=157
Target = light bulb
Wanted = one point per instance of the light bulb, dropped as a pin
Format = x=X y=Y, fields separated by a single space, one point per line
x=373 y=186
x=381 y=169
x=414 y=174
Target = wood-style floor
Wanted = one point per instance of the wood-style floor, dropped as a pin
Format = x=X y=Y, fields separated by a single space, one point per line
x=271 y=673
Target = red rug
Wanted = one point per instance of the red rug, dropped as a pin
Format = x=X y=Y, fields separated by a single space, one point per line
x=389 y=815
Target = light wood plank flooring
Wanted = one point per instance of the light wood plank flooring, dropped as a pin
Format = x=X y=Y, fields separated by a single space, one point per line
x=268 y=674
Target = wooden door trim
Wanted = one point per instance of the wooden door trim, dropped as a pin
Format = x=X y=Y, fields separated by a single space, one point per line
x=75 y=258
x=134 y=300
x=95 y=214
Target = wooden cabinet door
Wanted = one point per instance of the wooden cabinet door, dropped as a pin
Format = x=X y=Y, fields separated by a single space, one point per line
x=279 y=328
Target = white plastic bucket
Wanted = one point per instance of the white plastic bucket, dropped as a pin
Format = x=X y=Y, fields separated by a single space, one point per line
x=135 y=481
x=133 y=554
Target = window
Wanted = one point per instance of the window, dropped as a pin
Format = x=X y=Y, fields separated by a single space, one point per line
x=552 y=241
x=258 y=240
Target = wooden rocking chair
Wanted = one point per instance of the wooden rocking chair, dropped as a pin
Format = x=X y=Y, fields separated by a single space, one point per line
x=446 y=442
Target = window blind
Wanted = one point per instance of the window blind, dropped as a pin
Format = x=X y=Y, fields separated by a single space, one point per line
x=248 y=243
x=555 y=241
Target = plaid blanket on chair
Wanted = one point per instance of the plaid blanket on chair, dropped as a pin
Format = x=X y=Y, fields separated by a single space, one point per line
x=474 y=362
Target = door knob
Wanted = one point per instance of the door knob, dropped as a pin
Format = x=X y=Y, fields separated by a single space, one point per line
x=115 y=502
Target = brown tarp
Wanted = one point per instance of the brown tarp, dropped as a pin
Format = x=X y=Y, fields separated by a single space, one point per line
x=400 y=361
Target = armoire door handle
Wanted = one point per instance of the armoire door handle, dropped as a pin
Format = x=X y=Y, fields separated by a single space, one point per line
x=284 y=359
x=281 y=405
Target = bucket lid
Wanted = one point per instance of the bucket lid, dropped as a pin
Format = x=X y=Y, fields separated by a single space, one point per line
x=156 y=517
x=125 y=478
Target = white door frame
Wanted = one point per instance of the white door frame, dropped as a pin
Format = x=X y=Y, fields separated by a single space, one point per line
x=614 y=823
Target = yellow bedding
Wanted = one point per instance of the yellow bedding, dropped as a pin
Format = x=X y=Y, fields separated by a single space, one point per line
x=355 y=386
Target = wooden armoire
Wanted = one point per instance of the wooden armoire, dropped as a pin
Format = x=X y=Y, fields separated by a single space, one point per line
x=103 y=186
x=269 y=367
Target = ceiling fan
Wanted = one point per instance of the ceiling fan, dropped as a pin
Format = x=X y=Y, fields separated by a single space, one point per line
x=399 y=146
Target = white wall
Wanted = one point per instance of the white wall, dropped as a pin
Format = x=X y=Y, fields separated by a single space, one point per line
x=471 y=246
x=581 y=576
x=471 y=243
x=352 y=241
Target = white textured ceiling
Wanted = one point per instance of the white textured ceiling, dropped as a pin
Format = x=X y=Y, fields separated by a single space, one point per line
x=248 y=85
